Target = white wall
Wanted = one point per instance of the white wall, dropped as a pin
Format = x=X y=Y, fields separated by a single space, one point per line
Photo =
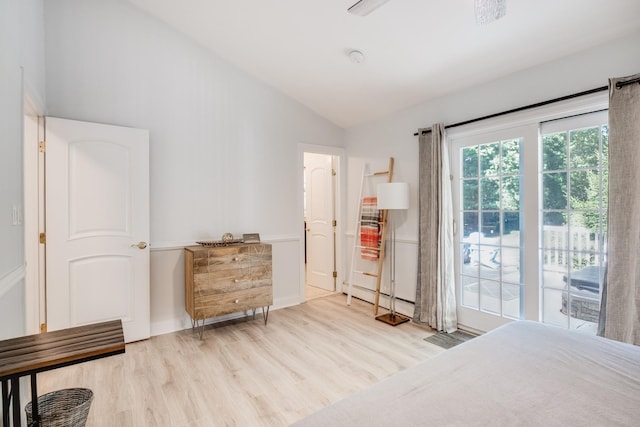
x=223 y=146
x=21 y=60
x=393 y=136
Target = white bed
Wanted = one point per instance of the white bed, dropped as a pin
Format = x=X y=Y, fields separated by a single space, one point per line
x=524 y=373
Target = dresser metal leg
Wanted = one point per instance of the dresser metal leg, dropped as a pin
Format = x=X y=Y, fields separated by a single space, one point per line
x=201 y=329
x=265 y=315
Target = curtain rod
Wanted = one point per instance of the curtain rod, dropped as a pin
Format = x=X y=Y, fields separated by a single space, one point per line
x=538 y=104
x=620 y=85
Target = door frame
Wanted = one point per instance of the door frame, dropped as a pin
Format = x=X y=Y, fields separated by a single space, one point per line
x=33 y=214
x=339 y=154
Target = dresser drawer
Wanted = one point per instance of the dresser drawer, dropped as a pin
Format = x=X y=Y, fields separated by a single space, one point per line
x=232 y=279
x=229 y=257
x=212 y=305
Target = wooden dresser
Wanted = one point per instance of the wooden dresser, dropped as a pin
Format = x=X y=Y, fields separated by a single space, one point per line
x=227 y=279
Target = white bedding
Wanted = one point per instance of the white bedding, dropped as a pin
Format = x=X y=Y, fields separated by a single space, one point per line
x=524 y=373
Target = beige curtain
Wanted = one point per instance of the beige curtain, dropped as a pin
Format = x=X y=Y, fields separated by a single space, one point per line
x=435 y=302
x=620 y=308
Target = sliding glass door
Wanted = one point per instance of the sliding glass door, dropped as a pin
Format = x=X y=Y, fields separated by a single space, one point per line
x=490 y=188
x=530 y=205
x=574 y=171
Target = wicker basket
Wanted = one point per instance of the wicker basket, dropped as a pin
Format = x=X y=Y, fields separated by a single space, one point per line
x=62 y=408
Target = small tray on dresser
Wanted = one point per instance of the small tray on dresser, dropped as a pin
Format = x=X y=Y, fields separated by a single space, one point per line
x=216 y=243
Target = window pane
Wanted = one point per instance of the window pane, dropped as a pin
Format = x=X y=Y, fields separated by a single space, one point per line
x=554 y=311
x=554 y=152
x=490 y=159
x=490 y=296
x=588 y=189
x=554 y=187
x=489 y=259
x=511 y=157
x=511 y=193
x=465 y=253
x=555 y=277
x=509 y=259
x=470 y=296
x=585 y=186
x=490 y=226
x=511 y=225
x=470 y=220
x=470 y=162
x=490 y=196
x=584 y=147
x=511 y=300
x=554 y=218
x=470 y=194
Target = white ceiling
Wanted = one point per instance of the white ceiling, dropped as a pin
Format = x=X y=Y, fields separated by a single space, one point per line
x=415 y=50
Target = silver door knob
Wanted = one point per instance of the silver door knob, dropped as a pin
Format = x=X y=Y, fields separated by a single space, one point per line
x=140 y=245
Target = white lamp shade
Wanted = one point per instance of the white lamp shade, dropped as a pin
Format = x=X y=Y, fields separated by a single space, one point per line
x=393 y=195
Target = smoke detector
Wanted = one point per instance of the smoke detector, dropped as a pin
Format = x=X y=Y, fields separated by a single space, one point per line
x=356 y=56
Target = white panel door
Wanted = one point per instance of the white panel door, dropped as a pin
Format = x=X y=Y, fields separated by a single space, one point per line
x=320 y=215
x=97 y=225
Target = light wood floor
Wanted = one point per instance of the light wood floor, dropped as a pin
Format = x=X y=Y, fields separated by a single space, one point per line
x=312 y=292
x=245 y=373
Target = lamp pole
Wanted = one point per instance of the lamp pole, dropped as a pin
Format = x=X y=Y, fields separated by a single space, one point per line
x=393 y=196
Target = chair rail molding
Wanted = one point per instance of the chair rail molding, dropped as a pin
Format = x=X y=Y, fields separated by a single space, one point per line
x=11 y=279
x=179 y=245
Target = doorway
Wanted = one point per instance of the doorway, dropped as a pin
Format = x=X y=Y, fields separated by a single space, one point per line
x=320 y=217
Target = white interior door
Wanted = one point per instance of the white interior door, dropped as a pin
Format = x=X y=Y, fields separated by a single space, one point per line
x=319 y=219
x=97 y=226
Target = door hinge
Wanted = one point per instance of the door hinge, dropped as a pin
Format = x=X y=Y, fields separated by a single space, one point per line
x=42 y=146
x=335 y=274
x=333 y=172
x=43 y=328
x=43 y=238
x=334 y=223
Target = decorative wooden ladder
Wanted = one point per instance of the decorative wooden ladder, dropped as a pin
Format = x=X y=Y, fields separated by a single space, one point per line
x=358 y=246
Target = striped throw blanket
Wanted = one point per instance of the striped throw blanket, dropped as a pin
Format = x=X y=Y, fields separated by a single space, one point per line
x=370 y=228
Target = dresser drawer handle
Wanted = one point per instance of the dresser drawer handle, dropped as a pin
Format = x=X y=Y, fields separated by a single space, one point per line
x=236 y=259
x=237 y=301
x=235 y=280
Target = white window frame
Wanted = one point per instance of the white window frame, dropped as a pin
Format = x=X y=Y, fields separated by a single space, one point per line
x=525 y=124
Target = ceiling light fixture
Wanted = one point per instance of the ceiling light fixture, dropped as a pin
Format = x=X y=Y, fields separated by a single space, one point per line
x=365 y=7
x=488 y=11
x=356 y=56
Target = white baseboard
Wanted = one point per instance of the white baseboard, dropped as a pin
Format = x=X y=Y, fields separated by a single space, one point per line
x=285 y=302
x=179 y=324
x=403 y=307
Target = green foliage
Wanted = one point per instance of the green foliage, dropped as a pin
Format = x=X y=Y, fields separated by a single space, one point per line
x=575 y=184
x=571 y=181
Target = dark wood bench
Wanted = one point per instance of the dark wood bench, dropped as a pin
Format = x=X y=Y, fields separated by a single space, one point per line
x=31 y=354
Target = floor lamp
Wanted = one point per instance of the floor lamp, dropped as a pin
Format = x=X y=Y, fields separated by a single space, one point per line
x=393 y=196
